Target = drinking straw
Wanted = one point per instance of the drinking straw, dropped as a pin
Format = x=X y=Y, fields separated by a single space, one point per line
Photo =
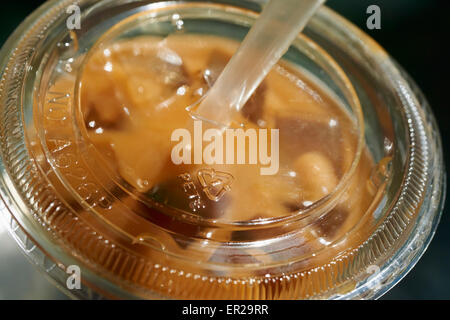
x=270 y=37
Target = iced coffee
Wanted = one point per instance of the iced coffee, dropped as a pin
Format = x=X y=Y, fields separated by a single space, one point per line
x=285 y=181
x=326 y=182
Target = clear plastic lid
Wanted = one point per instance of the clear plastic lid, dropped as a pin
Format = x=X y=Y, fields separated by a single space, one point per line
x=307 y=189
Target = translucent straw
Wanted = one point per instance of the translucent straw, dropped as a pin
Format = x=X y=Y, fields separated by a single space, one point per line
x=269 y=38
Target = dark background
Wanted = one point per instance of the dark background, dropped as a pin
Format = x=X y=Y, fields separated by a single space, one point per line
x=415 y=33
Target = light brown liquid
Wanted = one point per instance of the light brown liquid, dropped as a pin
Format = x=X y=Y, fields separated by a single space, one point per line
x=135 y=93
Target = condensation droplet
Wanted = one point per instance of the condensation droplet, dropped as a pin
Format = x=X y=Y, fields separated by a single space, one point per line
x=142 y=183
x=177 y=22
